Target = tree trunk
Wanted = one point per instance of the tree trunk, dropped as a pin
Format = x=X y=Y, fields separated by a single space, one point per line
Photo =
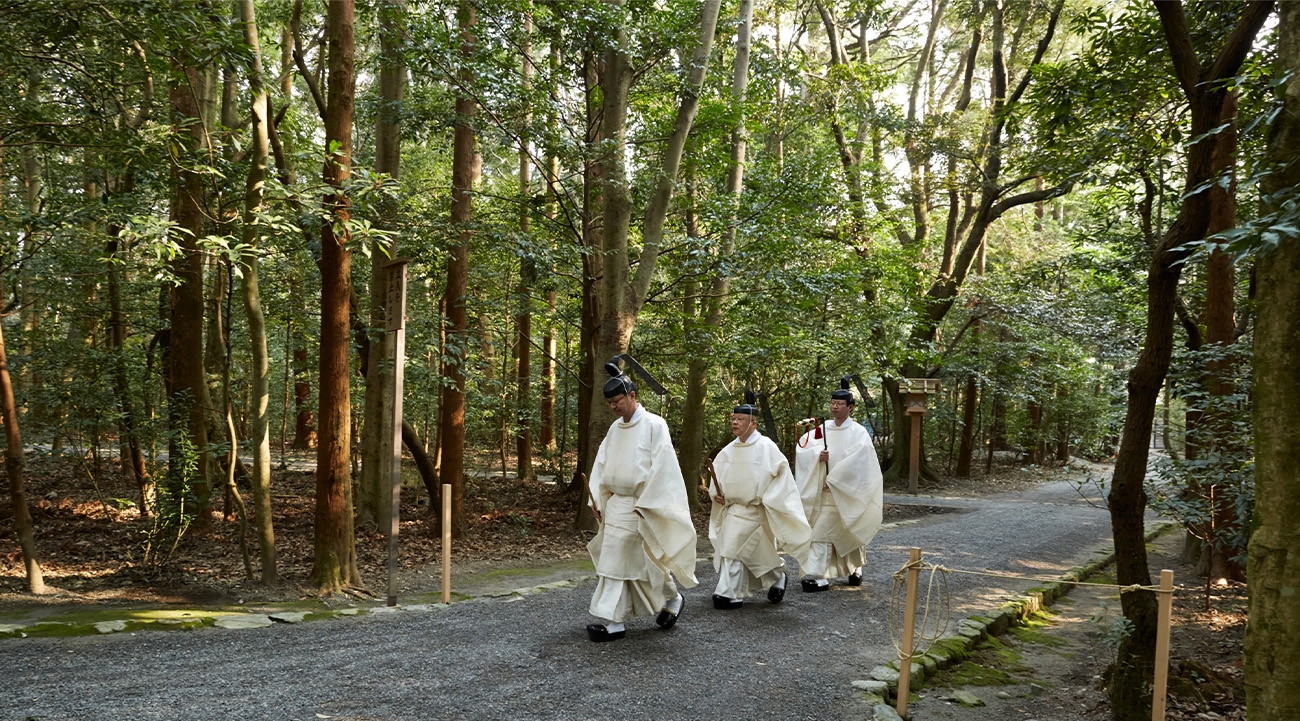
x=967 y=449
x=14 y=468
x=452 y=405
x=527 y=277
x=335 y=562
x=593 y=174
x=377 y=450
x=128 y=425
x=1130 y=689
x=1220 y=330
x=260 y=375
x=188 y=400
x=1272 y=659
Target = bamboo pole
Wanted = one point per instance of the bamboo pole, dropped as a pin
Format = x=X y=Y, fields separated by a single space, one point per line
x=909 y=629
x=446 y=543
x=1166 y=600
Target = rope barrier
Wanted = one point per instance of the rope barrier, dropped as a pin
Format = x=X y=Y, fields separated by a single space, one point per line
x=937 y=622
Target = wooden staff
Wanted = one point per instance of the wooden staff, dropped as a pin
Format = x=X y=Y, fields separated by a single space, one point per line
x=595 y=509
x=714 y=475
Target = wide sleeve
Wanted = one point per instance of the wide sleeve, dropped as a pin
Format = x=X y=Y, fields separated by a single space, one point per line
x=665 y=523
x=783 y=508
x=809 y=473
x=595 y=484
x=858 y=488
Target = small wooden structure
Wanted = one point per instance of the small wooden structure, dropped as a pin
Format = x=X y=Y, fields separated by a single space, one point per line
x=915 y=391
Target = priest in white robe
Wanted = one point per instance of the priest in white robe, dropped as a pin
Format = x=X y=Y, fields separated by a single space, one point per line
x=842 y=491
x=756 y=513
x=646 y=536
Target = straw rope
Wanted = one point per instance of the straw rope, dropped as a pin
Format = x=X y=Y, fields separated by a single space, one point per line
x=934 y=622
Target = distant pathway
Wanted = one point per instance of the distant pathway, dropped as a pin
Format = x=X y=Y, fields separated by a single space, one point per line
x=528 y=657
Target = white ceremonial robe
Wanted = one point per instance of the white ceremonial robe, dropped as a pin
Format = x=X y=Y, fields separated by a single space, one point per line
x=636 y=472
x=762 y=514
x=844 y=505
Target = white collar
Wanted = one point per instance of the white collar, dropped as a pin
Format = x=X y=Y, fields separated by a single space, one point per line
x=636 y=415
x=749 y=438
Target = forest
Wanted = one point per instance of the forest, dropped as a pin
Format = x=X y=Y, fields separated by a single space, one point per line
x=1078 y=216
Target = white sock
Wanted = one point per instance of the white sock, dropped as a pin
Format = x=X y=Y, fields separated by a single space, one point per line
x=822 y=582
x=856 y=572
x=675 y=606
x=780 y=583
x=613 y=627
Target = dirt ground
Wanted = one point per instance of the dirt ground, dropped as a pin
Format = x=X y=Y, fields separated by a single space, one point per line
x=1054 y=669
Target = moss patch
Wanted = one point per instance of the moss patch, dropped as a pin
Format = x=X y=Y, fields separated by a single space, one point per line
x=1034 y=631
x=969 y=673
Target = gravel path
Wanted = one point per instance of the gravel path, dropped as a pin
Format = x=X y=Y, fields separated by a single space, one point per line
x=528 y=657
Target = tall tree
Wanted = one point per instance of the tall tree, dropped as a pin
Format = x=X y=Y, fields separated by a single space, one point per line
x=1204 y=89
x=622 y=292
x=451 y=407
x=187 y=391
x=692 y=440
x=1272 y=661
x=527 y=271
x=259 y=431
x=336 y=563
x=377 y=427
x=14 y=468
x=996 y=198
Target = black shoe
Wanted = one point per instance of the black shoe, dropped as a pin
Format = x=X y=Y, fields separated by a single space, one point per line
x=599 y=633
x=666 y=618
x=810 y=585
x=855 y=579
x=722 y=603
x=775 y=595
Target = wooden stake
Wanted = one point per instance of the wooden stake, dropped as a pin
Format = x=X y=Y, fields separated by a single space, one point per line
x=909 y=628
x=446 y=543
x=1165 y=598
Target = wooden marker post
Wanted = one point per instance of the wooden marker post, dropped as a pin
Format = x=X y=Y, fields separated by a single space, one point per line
x=446 y=543
x=395 y=323
x=909 y=630
x=1165 y=598
x=916 y=389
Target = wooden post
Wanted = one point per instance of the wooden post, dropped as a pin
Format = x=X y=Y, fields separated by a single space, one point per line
x=446 y=543
x=917 y=389
x=914 y=467
x=909 y=629
x=396 y=324
x=1165 y=598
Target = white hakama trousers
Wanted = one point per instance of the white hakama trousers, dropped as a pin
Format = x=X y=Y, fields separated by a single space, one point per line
x=629 y=584
x=835 y=552
x=746 y=560
x=736 y=582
